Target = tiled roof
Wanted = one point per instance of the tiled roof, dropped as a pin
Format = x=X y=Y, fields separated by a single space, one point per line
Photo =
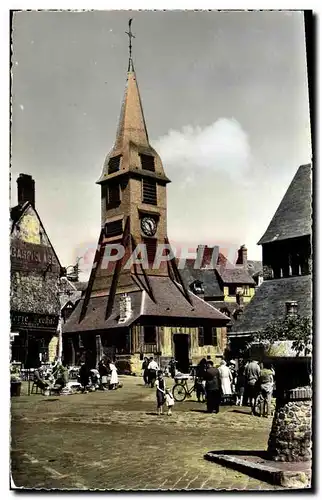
x=169 y=302
x=293 y=218
x=32 y=293
x=268 y=303
x=236 y=275
x=254 y=267
x=80 y=285
x=206 y=276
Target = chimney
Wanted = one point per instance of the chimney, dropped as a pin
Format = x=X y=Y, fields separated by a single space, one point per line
x=209 y=256
x=125 y=308
x=26 y=189
x=242 y=256
x=291 y=308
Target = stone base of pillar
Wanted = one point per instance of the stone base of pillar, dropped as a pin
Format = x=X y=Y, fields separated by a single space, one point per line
x=290 y=436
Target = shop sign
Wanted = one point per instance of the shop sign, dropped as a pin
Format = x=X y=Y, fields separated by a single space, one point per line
x=29 y=255
x=31 y=320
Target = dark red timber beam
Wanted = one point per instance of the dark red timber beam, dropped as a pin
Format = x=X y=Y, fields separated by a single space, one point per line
x=118 y=267
x=172 y=265
x=146 y=285
x=97 y=259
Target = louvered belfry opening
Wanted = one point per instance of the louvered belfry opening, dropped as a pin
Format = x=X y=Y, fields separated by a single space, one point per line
x=113 y=194
x=114 y=164
x=149 y=192
x=147 y=162
x=113 y=228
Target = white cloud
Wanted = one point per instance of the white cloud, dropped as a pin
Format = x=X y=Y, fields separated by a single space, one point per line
x=209 y=200
x=222 y=146
x=21 y=106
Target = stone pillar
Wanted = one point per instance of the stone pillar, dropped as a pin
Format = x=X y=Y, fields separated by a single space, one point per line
x=290 y=436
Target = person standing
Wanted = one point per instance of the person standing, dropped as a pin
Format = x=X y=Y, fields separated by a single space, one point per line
x=160 y=393
x=200 y=380
x=212 y=378
x=153 y=369
x=103 y=371
x=114 y=377
x=172 y=367
x=145 y=365
x=266 y=382
x=252 y=372
x=240 y=385
x=169 y=399
x=84 y=374
x=232 y=368
x=225 y=378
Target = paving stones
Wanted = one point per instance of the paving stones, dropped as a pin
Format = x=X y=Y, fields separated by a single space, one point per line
x=114 y=440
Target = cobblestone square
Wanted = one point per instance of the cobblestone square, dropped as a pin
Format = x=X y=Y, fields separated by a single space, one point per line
x=115 y=440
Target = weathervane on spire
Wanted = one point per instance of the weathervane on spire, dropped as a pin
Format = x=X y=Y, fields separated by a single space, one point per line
x=130 y=35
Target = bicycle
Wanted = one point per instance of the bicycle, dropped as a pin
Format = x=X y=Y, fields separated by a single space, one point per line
x=181 y=390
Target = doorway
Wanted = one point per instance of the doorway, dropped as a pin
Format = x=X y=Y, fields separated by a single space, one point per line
x=181 y=351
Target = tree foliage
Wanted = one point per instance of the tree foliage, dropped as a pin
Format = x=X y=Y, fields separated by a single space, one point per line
x=295 y=328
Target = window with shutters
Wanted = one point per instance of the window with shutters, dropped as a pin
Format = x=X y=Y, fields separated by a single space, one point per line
x=114 y=164
x=114 y=228
x=113 y=194
x=151 y=248
x=200 y=337
x=147 y=162
x=149 y=192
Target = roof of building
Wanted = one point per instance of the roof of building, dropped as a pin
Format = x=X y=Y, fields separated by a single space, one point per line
x=169 y=302
x=80 y=285
x=235 y=275
x=268 y=303
x=207 y=277
x=254 y=267
x=293 y=218
x=34 y=294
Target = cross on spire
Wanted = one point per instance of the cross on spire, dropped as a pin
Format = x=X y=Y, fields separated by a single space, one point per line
x=130 y=35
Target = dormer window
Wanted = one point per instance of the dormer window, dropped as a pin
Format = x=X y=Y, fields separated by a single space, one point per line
x=149 y=192
x=197 y=287
x=114 y=164
x=147 y=162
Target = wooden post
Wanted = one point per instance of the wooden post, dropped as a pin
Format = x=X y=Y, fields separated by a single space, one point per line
x=28 y=374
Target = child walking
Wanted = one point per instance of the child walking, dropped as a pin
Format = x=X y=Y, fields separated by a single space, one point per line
x=169 y=401
x=161 y=392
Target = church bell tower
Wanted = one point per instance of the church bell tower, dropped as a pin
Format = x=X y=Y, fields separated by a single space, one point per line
x=133 y=201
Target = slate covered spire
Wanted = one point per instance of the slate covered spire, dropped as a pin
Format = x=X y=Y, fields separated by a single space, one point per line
x=131 y=126
x=132 y=136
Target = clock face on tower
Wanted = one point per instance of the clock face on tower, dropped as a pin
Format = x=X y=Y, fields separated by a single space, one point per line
x=148 y=226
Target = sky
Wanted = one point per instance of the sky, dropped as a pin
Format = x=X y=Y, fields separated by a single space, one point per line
x=225 y=100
